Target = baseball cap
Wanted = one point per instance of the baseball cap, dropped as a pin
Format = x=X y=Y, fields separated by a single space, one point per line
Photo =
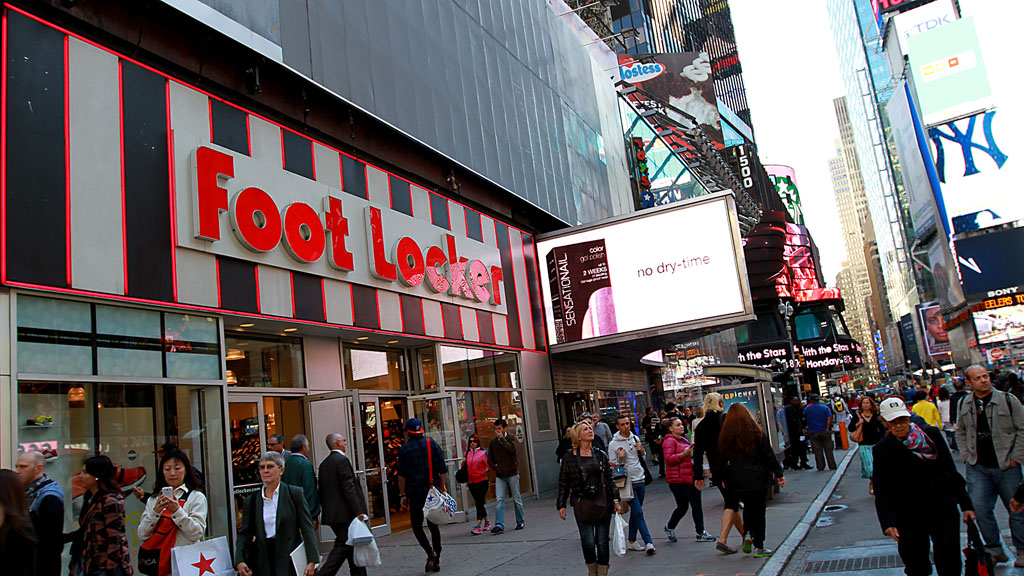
x=893 y=408
x=413 y=425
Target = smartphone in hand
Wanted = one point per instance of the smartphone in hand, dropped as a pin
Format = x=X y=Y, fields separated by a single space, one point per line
x=167 y=492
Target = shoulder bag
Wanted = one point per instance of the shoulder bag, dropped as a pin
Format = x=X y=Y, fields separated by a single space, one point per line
x=462 y=474
x=155 y=552
x=440 y=507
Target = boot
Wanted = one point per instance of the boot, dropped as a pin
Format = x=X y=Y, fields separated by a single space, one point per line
x=602 y=570
x=592 y=569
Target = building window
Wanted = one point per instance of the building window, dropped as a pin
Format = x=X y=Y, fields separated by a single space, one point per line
x=371 y=369
x=479 y=368
x=67 y=337
x=264 y=362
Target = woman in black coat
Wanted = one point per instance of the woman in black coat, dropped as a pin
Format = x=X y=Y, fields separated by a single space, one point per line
x=585 y=481
x=910 y=455
x=749 y=467
x=264 y=551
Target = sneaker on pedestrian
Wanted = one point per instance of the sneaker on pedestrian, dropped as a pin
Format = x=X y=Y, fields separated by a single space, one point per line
x=636 y=546
x=748 y=544
x=1000 y=557
x=497 y=529
x=1019 y=562
x=650 y=548
x=477 y=531
x=705 y=537
x=487 y=524
x=725 y=548
x=670 y=534
x=763 y=553
x=520 y=525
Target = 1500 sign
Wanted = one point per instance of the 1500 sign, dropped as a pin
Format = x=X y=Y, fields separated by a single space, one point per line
x=262 y=223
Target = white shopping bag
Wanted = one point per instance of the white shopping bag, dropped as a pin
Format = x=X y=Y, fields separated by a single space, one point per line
x=202 y=558
x=366 y=555
x=358 y=533
x=618 y=535
x=440 y=507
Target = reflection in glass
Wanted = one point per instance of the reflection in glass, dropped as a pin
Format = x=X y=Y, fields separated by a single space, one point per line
x=368 y=369
x=257 y=362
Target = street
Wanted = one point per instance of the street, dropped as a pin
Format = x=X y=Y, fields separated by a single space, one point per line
x=550 y=546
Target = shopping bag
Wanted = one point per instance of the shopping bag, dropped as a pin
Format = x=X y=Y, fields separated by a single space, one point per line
x=626 y=491
x=440 y=507
x=212 y=555
x=366 y=555
x=977 y=560
x=618 y=535
x=358 y=533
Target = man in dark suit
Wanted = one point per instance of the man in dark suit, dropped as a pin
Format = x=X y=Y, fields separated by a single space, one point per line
x=341 y=499
x=298 y=471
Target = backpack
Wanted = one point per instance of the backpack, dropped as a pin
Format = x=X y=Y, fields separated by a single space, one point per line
x=155 y=552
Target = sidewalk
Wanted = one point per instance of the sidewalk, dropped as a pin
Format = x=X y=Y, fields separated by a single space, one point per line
x=549 y=545
x=846 y=539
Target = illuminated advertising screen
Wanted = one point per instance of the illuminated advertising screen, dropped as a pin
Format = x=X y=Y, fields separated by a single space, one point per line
x=1000 y=325
x=985 y=263
x=655 y=272
x=681 y=80
x=949 y=72
x=936 y=340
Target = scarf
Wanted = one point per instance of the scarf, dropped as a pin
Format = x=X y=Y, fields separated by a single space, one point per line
x=31 y=491
x=919 y=443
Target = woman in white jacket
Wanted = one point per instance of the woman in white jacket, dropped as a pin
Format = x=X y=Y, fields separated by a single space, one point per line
x=187 y=509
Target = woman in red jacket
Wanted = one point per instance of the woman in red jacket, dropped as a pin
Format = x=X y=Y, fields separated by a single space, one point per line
x=679 y=475
x=476 y=465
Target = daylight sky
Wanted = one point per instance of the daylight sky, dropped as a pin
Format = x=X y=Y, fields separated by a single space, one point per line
x=792 y=75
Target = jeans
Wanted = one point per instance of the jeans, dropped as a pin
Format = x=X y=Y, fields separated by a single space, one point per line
x=416 y=517
x=636 y=514
x=984 y=485
x=479 y=492
x=595 y=540
x=822 y=442
x=687 y=496
x=517 y=499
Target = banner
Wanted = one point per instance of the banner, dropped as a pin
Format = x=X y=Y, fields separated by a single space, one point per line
x=936 y=340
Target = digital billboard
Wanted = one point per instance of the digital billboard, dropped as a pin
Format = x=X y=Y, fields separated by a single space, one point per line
x=999 y=325
x=949 y=72
x=912 y=159
x=654 y=272
x=936 y=340
x=681 y=80
x=988 y=263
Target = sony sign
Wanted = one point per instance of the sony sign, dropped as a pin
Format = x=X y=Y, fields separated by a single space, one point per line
x=244 y=208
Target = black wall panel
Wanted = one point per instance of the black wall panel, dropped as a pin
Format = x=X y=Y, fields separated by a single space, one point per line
x=298 y=154
x=353 y=174
x=401 y=198
x=473 y=228
x=452 y=321
x=237 y=284
x=36 y=212
x=515 y=334
x=147 y=202
x=308 y=292
x=364 y=307
x=532 y=284
x=439 y=212
x=229 y=128
x=486 y=326
x=412 y=314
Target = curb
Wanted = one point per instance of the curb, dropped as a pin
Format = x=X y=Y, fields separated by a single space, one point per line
x=777 y=563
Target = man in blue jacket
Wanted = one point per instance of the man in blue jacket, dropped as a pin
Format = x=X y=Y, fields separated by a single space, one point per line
x=819 y=431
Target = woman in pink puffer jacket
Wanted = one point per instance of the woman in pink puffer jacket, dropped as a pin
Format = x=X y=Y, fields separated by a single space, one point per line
x=677 y=451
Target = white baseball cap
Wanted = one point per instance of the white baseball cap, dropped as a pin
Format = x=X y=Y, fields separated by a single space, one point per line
x=893 y=408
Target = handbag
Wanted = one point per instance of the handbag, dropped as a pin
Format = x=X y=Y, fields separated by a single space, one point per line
x=155 y=553
x=439 y=507
x=618 y=472
x=977 y=560
x=462 y=474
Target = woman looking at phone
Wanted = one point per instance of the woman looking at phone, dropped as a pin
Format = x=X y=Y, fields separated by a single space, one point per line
x=178 y=505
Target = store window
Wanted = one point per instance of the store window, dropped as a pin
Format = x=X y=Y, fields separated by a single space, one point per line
x=131 y=423
x=479 y=368
x=371 y=369
x=78 y=338
x=264 y=362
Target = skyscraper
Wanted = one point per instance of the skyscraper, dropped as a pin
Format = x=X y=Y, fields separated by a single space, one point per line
x=867 y=80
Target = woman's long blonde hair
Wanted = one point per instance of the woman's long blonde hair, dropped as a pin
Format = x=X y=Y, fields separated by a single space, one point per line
x=574 y=433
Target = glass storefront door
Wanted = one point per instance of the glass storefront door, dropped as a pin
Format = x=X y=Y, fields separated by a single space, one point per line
x=335 y=413
x=437 y=413
x=382 y=423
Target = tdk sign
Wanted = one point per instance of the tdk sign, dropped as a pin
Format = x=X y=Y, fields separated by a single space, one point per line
x=641 y=72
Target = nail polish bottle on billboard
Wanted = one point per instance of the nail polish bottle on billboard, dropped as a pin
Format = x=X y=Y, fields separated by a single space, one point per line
x=581 y=291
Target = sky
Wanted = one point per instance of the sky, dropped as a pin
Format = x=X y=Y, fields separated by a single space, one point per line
x=791 y=75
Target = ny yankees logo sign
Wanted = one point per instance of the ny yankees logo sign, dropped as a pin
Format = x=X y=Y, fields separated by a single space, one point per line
x=967 y=144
